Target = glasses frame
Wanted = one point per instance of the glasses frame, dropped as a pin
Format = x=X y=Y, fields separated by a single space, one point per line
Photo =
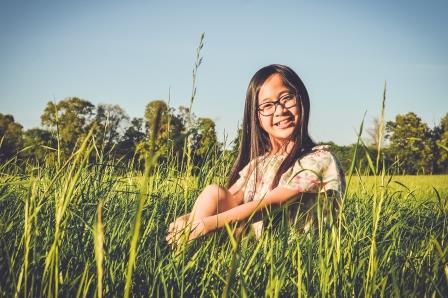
x=277 y=103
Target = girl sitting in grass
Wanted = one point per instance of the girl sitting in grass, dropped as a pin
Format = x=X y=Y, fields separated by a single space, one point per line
x=277 y=160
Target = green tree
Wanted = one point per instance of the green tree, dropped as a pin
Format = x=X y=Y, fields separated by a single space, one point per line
x=410 y=144
x=177 y=135
x=11 y=140
x=133 y=135
x=109 y=125
x=236 y=141
x=204 y=140
x=164 y=128
x=441 y=136
x=40 y=145
x=69 y=120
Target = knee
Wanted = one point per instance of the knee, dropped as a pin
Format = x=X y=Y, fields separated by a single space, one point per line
x=214 y=191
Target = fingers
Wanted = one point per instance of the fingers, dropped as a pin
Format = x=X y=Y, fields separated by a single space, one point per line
x=171 y=227
x=184 y=217
x=177 y=229
x=169 y=238
x=172 y=231
x=172 y=238
x=175 y=233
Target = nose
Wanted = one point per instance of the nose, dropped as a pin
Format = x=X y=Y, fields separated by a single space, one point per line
x=280 y=108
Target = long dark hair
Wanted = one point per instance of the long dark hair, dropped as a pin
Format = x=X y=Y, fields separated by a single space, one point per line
x=255 y=141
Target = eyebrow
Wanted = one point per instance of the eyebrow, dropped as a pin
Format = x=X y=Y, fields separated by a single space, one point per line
x=269 y=99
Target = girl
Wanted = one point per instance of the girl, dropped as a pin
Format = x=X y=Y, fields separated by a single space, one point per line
x=277 y=159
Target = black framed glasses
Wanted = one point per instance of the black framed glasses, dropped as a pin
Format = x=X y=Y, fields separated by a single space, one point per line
x=268 y=108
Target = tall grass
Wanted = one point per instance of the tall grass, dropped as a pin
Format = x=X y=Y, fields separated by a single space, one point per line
x=70 y=231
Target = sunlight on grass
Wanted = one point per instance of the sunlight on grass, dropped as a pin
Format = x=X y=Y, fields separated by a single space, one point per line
x=84 y=249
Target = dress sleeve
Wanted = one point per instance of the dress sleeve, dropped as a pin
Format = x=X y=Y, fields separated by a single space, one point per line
x=334 y=178
x=318 y=171
x=244 y=177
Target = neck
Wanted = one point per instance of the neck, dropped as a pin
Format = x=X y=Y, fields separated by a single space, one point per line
x=281 y=148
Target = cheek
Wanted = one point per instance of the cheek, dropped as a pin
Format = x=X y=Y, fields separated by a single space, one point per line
x=296 y=113
x=264 y=122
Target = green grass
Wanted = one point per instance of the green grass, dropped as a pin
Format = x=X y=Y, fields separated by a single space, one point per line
x=417 y=185
x=72 y=230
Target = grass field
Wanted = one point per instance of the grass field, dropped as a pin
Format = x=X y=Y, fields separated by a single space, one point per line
x=77 y=229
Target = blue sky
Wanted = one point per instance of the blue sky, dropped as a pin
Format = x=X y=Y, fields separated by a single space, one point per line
x=129 y=53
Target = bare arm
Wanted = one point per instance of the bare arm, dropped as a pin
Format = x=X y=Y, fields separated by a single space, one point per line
x=237 y=193
x=278 y=195
x=213 y=199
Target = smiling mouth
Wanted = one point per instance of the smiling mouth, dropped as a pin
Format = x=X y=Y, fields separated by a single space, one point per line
x=284 y=123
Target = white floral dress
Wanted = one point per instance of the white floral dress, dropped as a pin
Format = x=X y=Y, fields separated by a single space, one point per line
x=316 y=172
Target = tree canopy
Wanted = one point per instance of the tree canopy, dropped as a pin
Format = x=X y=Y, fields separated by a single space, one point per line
x=410 y=143
x=69 y=120
x=11 y=139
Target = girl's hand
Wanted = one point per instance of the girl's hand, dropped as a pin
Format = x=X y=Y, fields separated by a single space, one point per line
x=197 y=229
x=178 y=229
x=179 y=224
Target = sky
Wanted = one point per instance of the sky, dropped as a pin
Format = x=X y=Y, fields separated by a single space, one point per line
x=129 y=53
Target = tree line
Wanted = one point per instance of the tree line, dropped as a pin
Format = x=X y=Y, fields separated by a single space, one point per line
x=411 y=146
x=66 y=123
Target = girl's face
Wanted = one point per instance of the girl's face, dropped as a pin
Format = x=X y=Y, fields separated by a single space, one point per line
x=281 y=124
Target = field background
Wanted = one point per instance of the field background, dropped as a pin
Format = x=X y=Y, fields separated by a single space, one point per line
x=104 y=141
x=94 y=229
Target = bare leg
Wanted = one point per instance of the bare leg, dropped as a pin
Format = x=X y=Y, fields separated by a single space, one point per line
x=214 y=199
